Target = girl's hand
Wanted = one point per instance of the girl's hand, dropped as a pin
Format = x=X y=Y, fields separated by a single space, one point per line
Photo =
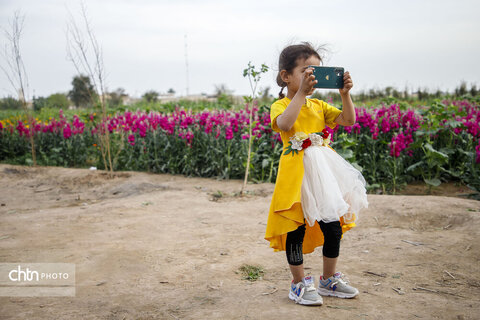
x=307 y=82
x=347 y=84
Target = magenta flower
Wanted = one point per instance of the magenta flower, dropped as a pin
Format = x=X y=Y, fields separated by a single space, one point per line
x=67 y=131
x=131 y=139
x=228 y=133
x=397 y=145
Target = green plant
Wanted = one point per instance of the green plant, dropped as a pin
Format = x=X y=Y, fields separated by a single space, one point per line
x=252 y=272
x=254 y=76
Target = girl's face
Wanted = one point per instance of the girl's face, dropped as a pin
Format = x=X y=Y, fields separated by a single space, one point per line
x=294 y=79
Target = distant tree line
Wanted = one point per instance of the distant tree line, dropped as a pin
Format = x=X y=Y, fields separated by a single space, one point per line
x=83 y=95
x=419 y=94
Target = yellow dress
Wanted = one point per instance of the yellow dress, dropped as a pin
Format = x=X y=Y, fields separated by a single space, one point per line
x=286 y=213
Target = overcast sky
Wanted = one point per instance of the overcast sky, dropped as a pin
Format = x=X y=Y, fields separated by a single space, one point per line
x=428 y=44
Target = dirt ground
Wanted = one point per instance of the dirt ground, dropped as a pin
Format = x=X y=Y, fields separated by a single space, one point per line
x=159 y=246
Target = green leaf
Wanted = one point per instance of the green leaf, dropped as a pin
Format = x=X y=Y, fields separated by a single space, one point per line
x=346 y=154
x=454 y=123
x=439 y=155
x=414 y=166
x=265 y=163
x=433 y=182
x=357 y=166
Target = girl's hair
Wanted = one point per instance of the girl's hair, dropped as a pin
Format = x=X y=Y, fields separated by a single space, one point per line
x=289 y=57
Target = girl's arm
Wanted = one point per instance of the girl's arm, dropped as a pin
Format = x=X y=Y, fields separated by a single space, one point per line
x=286 y=120
x=347 y=117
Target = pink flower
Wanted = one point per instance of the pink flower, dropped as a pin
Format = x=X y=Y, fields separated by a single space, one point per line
x=397 y=145
x=228 y=133
x=131 y=139
x=67 y=131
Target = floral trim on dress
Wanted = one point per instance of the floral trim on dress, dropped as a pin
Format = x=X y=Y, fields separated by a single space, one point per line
x=300 y=140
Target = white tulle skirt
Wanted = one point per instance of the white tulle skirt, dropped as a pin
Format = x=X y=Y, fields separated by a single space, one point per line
x=331 y=187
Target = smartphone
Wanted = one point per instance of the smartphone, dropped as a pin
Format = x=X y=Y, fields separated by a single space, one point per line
x=328 y=77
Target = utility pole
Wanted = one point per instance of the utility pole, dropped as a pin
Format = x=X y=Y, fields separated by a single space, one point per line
x=186 y=61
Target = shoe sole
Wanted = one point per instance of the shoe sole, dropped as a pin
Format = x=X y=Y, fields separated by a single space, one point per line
x=291 y=295
x=329 y=293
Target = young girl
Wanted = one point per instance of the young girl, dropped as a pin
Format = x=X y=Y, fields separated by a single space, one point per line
x=314 y=184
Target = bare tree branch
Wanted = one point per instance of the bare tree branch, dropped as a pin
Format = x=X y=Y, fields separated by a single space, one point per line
x=92 y=65
x=16 y=72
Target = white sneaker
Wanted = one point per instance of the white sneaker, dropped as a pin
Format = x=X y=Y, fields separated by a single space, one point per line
x=304 y=292
x=336 y=286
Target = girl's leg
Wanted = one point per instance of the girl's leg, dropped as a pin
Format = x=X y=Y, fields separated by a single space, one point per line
x=294 y=252
x=329 y=265
x=332 y=233
x=297 y=272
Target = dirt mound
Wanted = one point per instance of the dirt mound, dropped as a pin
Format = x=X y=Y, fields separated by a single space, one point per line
x=430 y=213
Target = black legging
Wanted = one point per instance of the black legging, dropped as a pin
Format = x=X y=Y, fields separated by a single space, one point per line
x=332 y=233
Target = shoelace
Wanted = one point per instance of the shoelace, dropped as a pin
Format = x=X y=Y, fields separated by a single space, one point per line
x=342 y=278
x=341 y=281
x=310 y=287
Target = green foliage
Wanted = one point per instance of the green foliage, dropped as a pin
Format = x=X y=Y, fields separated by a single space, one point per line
x=39 y=103
x=116 y=97
x=54 y=101
x=150 y=96
x=10 y=103
x=254 y=75
x=58 y=100
x=83 y=93
x=251 y=272
x=438 y=153
x=224 y=96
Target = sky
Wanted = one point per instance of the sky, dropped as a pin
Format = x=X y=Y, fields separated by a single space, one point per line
x=147 y=44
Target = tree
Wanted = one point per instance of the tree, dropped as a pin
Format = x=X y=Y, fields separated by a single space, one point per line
x=150 y=96
x=171 y=91
x=462 y=89
x=10 y=103
x=222 y=89
x=87 y=57
x=58 y=100
x=396 y=93
x=473 y=90
x=388 y=91
x=224 y=95
x=116 y=97
x=17 y=74
x=83 y=93
x=39 y=103
x=406 y=95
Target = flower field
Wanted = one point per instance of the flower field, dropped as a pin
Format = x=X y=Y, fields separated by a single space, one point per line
x=391 y=144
